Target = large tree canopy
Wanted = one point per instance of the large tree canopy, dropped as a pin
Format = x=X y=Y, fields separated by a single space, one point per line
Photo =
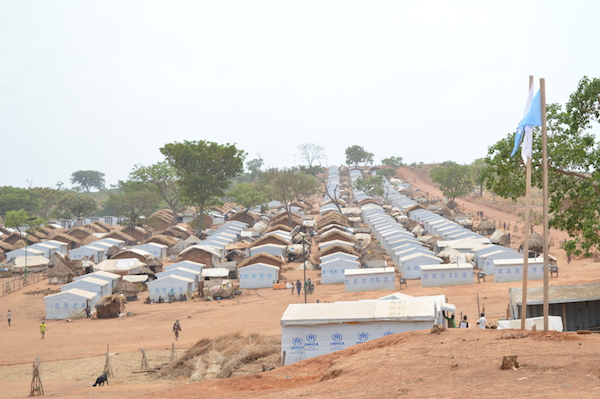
x=287 y=185
x=454 y=179
x=574 y=167
x=204 y=169
x=357 y=155
x=161 y=179
x=88 y=179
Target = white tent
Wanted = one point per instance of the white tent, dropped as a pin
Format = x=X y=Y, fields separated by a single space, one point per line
x=61 y=246
x=182 y=272
x=446 y=275
x=95 y=254
x=258 y=275
x=309 y=330
x=510 y=270
x=120 y=266
x=176 y=284
x=92 y=284
x=271 y=249
x=332 y=271
x=23 y=262
x=409 y=265
x=112 y=278
x=25 y=251
x=486 y=261
x=47 y=249
x=371 y=279
x=69 y=304
x=336 y=255
x=188 y=264
x=554 y=323
x=158 y=250
x=215 y=272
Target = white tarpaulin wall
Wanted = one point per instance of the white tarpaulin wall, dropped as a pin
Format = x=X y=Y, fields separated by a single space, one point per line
x=371 y=279
x=446 y=275
x=309 y=330
x=162 y=286
x=332 y=271
x=554 y=323
x=258 y=275
x=510 y=270
x=69 y=304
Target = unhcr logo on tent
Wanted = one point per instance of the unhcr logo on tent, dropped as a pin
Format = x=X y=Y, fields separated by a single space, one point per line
x=363 y=337
x=337 y=339
x=311 y=342
x=297 y=343
x=388 y=333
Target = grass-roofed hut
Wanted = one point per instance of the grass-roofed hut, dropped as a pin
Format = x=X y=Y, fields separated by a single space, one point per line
x=270 y=239
x=262 y=257
x=110 y=306
x=336 y=248
x=60 y=274
x=128 y=289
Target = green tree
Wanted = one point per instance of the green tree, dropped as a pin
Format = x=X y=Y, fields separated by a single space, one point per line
x=287 y=185
x=357 y=155
x=250 y=195
x=88 y=179
x=311 y=153
x=373 y=186
x=477 y=168
x=14 y=198
x=77 y=205
x=573 y=173
x=18 y=219
x=386 y=172
x=204 y=170
x=161 y=179
x=254 y=168
x=453 y=179
x=134 y=201
x=47 y=200
x=392 y=162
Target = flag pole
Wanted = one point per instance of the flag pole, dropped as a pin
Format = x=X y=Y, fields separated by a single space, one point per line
x=545 y=210
x=526 y=238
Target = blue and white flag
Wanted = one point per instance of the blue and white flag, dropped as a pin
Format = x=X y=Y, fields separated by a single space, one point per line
x=532 y=117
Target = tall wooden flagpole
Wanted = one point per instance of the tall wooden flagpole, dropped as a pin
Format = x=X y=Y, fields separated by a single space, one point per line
x=526 y=238
x=545 y=210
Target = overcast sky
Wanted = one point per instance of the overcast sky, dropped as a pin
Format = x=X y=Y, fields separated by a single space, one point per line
x=102 y=85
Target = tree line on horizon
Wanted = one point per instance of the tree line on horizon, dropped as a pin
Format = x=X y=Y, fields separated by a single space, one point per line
x=202 y=174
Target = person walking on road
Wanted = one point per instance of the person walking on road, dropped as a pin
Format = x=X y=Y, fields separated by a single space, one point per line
x=43 y=329
x=9 y=317
x=176 y=329
x=298 y=286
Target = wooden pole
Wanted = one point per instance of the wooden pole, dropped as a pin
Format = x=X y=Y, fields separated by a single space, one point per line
x=526 y=238
x=478 y=308
x=545 y=199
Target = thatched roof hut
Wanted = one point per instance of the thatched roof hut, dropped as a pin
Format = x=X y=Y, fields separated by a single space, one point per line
x=119 y=235
x=336 y=248
x=262 y=257
x=536 y=243
x=162 y=239
x=175 y=232
x=161 y=219
x=6 y=247
x=60 y=274
x=80 y=232
x=276 y=227
x=89 y=239
x=71 y=241
x=369 y=200
x=270 y=239
x=110 y=306
x=486 y=227
x=15 y=237
x=126 y=288
x=104 y=227
x=330 y=227
x=139 y=233
x=244 y=217
x=336 y=235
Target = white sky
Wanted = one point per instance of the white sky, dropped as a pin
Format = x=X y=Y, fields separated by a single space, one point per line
x=103 y=85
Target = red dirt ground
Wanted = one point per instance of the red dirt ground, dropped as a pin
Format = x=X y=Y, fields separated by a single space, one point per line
x=456 y=363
